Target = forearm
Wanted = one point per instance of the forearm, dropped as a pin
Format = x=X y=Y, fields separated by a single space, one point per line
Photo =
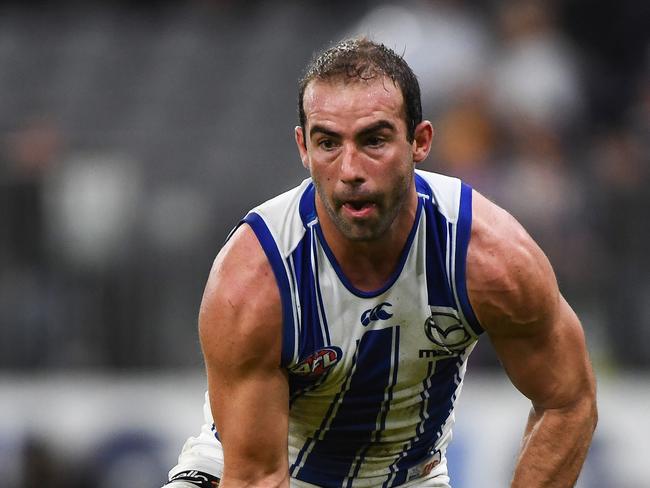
x=269 y=480
x=555 y=445
x=254 y=439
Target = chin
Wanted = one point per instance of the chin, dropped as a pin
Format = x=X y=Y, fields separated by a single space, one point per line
x=361 y=234
x=361 y=237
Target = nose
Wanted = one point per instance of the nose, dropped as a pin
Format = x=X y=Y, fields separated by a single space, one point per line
x=351 y=167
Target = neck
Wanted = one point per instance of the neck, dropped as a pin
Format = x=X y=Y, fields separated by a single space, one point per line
x=369 y=264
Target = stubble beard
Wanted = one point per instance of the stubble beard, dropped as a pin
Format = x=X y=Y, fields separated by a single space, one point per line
x=367 y=231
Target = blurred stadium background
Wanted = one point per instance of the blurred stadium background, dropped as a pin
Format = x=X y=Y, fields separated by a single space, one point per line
x=134 y=135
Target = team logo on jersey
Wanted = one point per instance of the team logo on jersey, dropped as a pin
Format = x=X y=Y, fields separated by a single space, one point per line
x=376 y=313
x=445 y=329
x=319 y=362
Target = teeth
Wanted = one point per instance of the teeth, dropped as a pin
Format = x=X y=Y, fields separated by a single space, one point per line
x=357 y=205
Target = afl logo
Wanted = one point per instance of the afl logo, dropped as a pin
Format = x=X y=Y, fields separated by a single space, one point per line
x=445 y=329
x=318 y=363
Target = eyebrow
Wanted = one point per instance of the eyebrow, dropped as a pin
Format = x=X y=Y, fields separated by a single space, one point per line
x=320 y=129
x=377 y=126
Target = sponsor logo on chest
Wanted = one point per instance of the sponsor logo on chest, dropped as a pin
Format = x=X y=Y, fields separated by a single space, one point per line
x=446 y=331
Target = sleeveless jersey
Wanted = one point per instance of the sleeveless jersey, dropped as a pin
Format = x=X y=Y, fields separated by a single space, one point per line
x=373 y=376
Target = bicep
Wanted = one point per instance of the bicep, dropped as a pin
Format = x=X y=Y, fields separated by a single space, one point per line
x=537 y=336
x=241 y=335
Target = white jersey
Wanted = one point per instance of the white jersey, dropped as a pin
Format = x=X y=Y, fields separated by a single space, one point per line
x=373 y=376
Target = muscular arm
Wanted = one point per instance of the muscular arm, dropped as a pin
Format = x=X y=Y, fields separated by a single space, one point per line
x=240 y=331
x=540 y=342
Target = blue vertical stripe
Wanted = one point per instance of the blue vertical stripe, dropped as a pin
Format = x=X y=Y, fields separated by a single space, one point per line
x=355 y=421
x=393 y=381
x=439 y=391
x=307 y=205
x=256 y=222
x=421 y=186
x=326 y=419
x=385 y=407
x=311 y=338
x=463 y=234
x=392 y=479
x=438 y=290
x=319 y=296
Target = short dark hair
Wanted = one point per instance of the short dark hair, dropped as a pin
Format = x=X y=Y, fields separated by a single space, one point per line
x=363 y=59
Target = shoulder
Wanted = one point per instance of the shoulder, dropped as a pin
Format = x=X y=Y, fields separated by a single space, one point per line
x=241 y=313
x=281 y=221
x=510 y=282
x=444 y=192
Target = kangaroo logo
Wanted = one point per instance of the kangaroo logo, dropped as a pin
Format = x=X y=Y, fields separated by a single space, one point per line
x=377 y=313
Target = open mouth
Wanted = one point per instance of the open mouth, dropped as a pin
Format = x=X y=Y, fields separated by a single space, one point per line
x=358 y=208
x=357 y=205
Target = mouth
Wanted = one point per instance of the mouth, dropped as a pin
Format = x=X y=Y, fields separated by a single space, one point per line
x=358 y=208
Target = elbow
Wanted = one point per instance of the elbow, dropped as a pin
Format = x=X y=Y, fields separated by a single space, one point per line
x=584 y=411
x=593 y=413
x=274 y=480
x=588 y=408
x=593 y=403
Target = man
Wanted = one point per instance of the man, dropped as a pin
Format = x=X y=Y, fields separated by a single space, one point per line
x=337 y=320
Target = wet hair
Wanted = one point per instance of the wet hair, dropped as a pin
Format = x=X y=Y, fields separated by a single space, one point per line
x=361 y=59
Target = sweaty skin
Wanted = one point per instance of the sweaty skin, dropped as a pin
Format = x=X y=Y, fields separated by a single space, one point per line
x=540 y=343
x=357 y=152
x=362 y=163
x=240 y=328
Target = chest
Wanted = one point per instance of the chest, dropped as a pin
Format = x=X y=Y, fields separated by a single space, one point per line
x=376 y=339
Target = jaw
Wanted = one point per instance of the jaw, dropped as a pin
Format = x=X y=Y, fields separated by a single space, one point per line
x=382 y=218
x=372 y=222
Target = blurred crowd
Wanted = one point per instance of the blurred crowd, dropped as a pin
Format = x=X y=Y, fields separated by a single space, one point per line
x=132 y=139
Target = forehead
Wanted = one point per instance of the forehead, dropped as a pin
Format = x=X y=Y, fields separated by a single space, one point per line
x=346 y=102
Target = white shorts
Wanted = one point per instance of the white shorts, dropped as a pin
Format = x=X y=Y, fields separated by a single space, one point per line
x=204 y=454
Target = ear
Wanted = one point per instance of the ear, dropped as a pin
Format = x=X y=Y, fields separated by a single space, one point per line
x=302 y=148
x=422 y=140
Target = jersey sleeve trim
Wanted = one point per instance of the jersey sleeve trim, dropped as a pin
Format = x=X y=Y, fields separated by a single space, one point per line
x=268 y=243
x=464 y=229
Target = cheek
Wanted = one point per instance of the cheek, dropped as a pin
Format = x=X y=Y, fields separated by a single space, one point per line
x=322 y=171
x=400 y=176
x=396 y=169
x=321 y=178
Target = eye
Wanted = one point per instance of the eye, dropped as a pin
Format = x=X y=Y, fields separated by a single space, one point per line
x=326 y=144
x=375 y=141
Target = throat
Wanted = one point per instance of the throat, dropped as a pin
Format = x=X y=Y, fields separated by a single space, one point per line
x=368 y=269
x=369 y=264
